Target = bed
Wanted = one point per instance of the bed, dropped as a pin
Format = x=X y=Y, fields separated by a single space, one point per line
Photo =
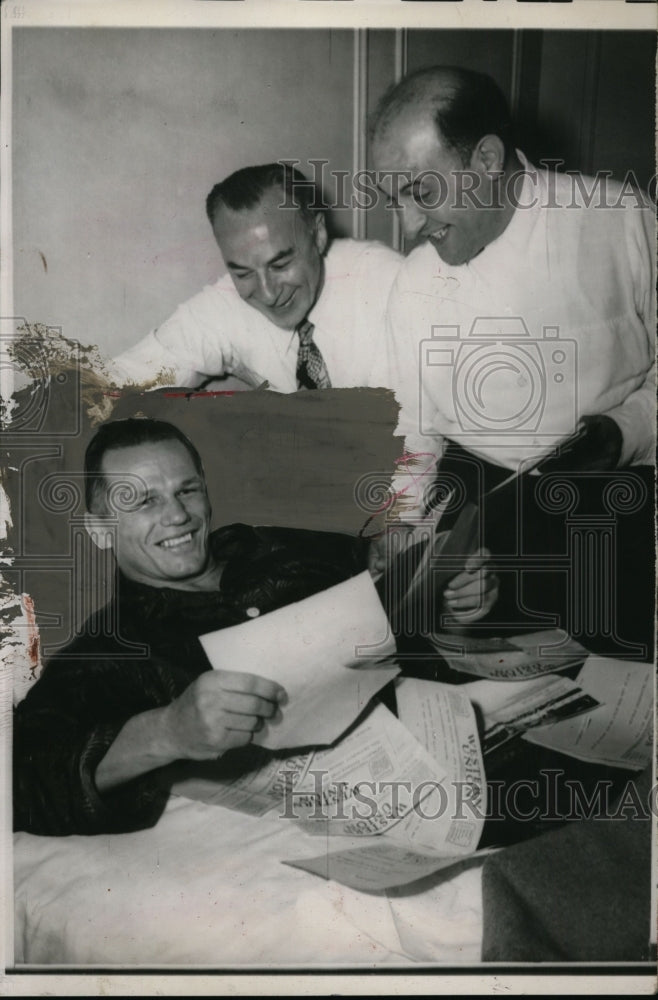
x=206 y=887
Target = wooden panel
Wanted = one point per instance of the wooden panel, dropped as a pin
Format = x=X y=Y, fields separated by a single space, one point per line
x=381 y=74
x=486 y=51
x=566 y=92
x=596 y=101
x=624 y=133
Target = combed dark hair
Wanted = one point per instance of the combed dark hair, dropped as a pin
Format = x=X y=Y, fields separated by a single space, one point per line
x=245 y=189
x=127 y=433
x=465 y=105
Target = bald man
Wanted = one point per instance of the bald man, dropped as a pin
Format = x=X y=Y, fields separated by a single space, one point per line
x=521 y=328
x=525 y=310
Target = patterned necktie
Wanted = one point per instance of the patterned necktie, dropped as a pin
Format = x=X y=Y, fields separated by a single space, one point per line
x=311 y=370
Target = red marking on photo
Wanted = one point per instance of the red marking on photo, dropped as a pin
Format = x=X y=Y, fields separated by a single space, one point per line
x=195 y=395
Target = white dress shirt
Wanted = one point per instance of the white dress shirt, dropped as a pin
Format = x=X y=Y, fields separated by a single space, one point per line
x=217 y=333
x=552 y=321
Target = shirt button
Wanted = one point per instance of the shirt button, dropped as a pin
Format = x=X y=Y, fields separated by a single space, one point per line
x=252 y=612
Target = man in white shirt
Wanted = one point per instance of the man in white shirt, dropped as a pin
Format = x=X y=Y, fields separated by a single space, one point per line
x=525 y=308
x=285 y=279
x=528 y=312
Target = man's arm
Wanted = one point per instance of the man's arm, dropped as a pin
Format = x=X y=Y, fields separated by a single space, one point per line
x=219 y=711
x=636 y=416
x=87 y=709
x=191 y=346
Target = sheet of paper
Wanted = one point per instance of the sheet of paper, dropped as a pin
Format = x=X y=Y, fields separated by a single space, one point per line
x=252 y=780
x=368 y=783
x=517 y=659
x=323 y=650
x=380 y=780
x=493 y=699
x=527 y=704
x=555 y=699
x=442 y=719
x=440 y=830
x=375 y=864
x=620 y=731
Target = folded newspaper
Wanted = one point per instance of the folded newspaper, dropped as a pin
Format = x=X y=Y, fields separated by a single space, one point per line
x=517 y=658
x=604 y=716
x=403 y=797
x=620 y=730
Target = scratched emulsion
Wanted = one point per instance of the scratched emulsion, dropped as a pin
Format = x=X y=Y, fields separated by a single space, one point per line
x=319 y=460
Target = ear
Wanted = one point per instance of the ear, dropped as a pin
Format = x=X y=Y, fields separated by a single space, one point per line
x=320 y=234
x=489 y=155
x=99 y=530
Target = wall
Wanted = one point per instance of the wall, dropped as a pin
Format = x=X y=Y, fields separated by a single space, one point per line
x=118 y=137
x=119 y=134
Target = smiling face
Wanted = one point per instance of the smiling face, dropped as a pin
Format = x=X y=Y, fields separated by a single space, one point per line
x=432 y=195
x=162 y=514
x=274 y=256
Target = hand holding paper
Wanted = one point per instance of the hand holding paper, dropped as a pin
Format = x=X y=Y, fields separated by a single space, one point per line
x=319 y=650
x=435 y=578
x=472 y=593
x=220 y=711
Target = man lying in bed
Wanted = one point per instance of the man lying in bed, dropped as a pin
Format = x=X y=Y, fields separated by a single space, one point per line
x=134 y=691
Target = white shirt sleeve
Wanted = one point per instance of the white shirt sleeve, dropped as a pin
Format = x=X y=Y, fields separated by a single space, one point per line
x=636 y=416
x=192 y=345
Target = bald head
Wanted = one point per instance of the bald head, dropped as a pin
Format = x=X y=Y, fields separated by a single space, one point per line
x=443 y=153
x=463 y=105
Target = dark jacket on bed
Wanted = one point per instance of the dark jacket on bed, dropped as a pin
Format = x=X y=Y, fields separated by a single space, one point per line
x=140 y=652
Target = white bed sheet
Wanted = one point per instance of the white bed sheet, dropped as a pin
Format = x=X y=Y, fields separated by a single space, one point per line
x=206 y=887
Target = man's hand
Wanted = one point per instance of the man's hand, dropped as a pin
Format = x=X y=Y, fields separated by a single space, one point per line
x=383 y=548
x=216 y=712
x=596 y=448
x=472 y=593
x=219 y=711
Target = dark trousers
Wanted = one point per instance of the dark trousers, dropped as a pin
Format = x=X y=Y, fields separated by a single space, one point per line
x=572 y=549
